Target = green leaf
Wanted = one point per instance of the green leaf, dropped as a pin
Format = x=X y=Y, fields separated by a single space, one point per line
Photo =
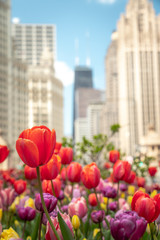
x=66 y=232
x=34 y=235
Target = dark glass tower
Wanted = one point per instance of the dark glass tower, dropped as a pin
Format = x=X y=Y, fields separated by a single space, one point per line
x=83 y=79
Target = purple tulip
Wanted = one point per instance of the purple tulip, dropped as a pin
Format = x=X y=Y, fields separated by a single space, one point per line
x=26 y=213
x=127 y=225
x=97 y=216
x=52 y=214
x=123 y=187
x=50 y=202
x=112 y=206
x=64 y=209
x=109 y=192
x=61 y=195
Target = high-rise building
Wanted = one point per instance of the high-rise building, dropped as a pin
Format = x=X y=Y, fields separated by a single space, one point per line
x=17 y=105
x=45 y=95
x=83 y=79
x=13 y=87
x=36 y=45
x=133 y=75
x=32 y=39
x=88 y=106
x=5 y=65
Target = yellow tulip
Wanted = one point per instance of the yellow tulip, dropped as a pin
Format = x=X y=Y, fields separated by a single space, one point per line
x=7 y=234
x=96 y=230
x=75 y=222
x=153 y=193
x=142 y=189
x=29 y=203
x=16 y=223
x=1 y=212
x=131 y=190
x=129 y=199
x=105 y=200
x=122 y=195
x=103 y=206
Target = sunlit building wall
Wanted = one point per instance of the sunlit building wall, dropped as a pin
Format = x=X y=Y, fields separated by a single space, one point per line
x=5 y=64
x=45 y=95
x=133 y=87
x=36 y=45
x=32 y=39
x=94 y=118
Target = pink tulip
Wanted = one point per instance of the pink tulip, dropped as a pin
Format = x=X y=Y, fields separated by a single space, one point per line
x=49 y=233
x=7 y=197
x=78 y=207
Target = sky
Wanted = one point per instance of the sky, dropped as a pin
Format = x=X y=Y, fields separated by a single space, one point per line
x=83 y=29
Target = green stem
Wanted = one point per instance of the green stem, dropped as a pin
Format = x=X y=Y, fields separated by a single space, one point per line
x=24 y=228
x=40 y=226
x=44 y=206
x=100 y=230
x=98 y=204
x=151 y=231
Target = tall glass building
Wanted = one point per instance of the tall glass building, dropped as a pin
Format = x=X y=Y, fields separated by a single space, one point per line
x=83 y=79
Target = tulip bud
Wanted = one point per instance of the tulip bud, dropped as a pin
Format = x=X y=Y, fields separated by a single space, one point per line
x=97 y=216
x=78 y=207
x=96 y=230
x=75 y=222
x=50 y=202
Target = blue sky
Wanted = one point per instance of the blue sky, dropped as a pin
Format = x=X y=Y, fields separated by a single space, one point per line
x=88 y=22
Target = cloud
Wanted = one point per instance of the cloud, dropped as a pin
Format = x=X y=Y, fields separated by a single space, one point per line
x=104 y=1
x=64 y=73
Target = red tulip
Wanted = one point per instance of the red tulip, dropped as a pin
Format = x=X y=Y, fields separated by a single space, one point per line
x=74 y=172
x=66 y=155
x=92 y=199
x=57 y=147
x=30 y=173
x=35 y=146
x=114 y=155
x=152 y=171
x=64 y=173
x=50 y=170
x=141 y=181
x=20 y=186
x=4 y=151
x=145 y=206
x=47 y=187
x=121 y=170
x=131 y=177
x=107 y=165
x=90 y=176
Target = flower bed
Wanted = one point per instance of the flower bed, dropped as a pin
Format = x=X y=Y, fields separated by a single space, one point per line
x=55 y=197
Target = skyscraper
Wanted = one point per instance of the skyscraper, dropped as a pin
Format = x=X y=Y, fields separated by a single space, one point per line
x=5 y=64
x=36 y=45
x=83 y=79
x=32 y=39
x=133 y=75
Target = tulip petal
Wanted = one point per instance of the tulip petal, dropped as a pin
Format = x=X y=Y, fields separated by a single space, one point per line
x=42 y=138
x=28 y=152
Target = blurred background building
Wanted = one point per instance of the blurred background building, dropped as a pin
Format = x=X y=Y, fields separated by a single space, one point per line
x=36 y=45
x=30 y=94
x=82 y=79
x=88 y=107
x=5 y=64
x=31 y=40
x=133 y=75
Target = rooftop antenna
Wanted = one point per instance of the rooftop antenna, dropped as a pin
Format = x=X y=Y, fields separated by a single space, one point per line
x=88 y=61
x=76 y=51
